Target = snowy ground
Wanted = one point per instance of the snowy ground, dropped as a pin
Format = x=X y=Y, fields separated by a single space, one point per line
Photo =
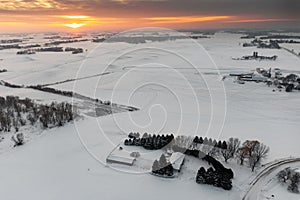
x=179 y=89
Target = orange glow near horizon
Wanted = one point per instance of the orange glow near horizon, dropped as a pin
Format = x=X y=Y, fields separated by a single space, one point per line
x=258 y=20
x=186 y=19
x=79 y=21
x=75 y=17
x=86 y=23
x=85 y=15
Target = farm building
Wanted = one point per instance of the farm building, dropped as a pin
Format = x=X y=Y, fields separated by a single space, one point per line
x=124 y=160
x=177 y=160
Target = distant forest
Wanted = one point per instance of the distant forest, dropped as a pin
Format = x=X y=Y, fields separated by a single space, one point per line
x=16 y=112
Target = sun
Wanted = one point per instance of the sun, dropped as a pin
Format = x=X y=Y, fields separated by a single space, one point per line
x=75 y=25
x=76 y=21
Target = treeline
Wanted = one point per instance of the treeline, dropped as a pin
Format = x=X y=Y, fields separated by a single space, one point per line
x=10 y=46
x=62 y=37
x=9 y=41
x=207 y=145
x=6 y=84
x=63 y=92
x=286 y=41
x=195 y=37
x=50 y=49
x=31 y=46
x=272 y=44
x=16 y=113
x=26 y=52
x=39 y=87
x=98 y=39
x=66 y=93
x=148 y=141
x=213 y=177
x=155 y=142
x=52 y=90
x=65 y=42
x=280 y=37
x=74 y=50
x=18 y=46
x=3 y=70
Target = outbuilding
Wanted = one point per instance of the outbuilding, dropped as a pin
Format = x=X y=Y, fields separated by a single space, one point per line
x=124 y=160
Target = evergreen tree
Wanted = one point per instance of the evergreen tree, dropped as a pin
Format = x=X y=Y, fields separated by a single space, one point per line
x=210 y=178
x=201 y=140
x=155 y=167
x=162 y=161
x=200 y=178
x=219 y=144
x=224 y=145
x=205 y=140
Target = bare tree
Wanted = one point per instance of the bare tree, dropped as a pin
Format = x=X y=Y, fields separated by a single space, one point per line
x=251 y=144
x=15 y=112
x=207 y=149
x=258 y=152
x=242 y=154
x=214 y=152
x=233 y=145
x=246 y=150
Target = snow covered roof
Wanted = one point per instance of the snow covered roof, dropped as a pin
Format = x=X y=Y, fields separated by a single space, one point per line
x=259 y=78
x=120 y=159
x=176 y=160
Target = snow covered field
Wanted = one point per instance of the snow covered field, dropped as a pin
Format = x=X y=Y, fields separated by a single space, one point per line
x=178 y=87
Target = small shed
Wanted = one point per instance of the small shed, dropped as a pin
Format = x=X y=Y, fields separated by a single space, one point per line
x=177 y=160
x=124 y=160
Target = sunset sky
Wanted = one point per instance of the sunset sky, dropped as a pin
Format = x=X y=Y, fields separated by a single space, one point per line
x=59 y=15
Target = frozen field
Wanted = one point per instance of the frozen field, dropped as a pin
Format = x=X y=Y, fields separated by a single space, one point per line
x=178 y=87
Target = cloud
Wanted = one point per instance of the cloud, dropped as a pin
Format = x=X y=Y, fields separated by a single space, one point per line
x=185 y=19
x=25 y=5
x=153 y=8
x=151 y=12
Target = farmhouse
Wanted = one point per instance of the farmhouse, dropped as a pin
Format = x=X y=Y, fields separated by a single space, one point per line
x=177 y=160
x=124 y=160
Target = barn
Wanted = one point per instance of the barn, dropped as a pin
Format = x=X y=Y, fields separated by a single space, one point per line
x=124 y=160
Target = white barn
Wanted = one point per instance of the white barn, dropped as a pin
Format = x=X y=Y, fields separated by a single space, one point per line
x=124 y=160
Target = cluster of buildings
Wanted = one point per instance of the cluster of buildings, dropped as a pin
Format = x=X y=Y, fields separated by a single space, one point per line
x=128 y=159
